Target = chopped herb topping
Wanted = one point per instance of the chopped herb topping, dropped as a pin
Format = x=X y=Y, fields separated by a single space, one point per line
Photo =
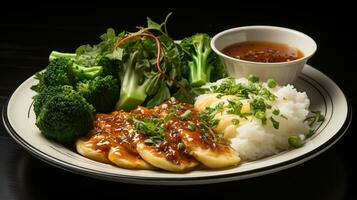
x=151 y=127
x=185 y=115
x=261 y=115
x=234 y=107
x=276 y=112
x=181 y=146
x=258 y=105
x=275 y=123
x=271 y=83
x=316 y=117
x=191 y=126
x=253 y=78
x=283 y=116
x=235 y=121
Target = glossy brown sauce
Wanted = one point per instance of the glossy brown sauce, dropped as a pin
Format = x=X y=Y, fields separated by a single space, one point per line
x=117 y=130
x=261 y=51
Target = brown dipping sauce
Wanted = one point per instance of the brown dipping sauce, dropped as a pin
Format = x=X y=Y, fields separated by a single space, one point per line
x=261 y=51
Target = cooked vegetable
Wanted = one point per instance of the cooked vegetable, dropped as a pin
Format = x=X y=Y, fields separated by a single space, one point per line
x=58 y=72
x=63 y=115
x=203 y=64
x=41 y=98
x=295 y=141
x=65 y=71
x=101 y=92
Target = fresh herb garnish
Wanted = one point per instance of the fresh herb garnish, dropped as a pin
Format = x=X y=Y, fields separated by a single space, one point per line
x=271 y=83
x=275 y=123
x=208 y=115
x=253 y=78
x=261 y=115
x=191 y=126
x=276 y=112
x=151 y=127
x=185 y=115
x=283 y=116
x=235 y=121
x=181 y=146
x=316 y=117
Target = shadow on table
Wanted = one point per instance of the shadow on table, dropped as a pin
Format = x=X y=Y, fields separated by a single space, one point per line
x=323 y=177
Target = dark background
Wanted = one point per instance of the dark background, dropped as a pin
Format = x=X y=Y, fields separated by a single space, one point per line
x=29 y=33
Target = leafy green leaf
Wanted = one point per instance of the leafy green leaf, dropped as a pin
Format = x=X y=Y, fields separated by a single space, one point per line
x=162 y=95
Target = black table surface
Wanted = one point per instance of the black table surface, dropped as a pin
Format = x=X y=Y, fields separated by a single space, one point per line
x=28 y=35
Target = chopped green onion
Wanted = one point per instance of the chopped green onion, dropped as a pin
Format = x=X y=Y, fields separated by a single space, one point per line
x=276 y=112
x=253 y=78
x=235 y=121
x=191 y=126
x=316 y=117
x=295 y=141
x=271 y=83
x=185 y=114
x=181 y=146
x=219 y=96
x=283 y=116
x=275 y=123
x=319 y=116
x=261 y=115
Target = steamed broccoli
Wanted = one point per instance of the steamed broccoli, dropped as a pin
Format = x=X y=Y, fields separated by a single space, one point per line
x=63 y=115
x=110 y=67
x=78 y=68
x=203 y=64
x=101 y=92
x=58 y=72
x=41 y=98
x=64 y=71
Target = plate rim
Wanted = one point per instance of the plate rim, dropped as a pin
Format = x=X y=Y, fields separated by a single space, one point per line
x=180 y=180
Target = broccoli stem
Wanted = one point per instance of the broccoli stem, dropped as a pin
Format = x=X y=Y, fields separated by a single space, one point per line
x=131 y=96
x=86 y=72
x=200 y=70
x=56 y=54
x=131 y=93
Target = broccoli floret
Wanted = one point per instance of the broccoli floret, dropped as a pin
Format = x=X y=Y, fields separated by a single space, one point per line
x=58 y=72
x=200 y=59
x=40 y=86
x=64 y=116
x=110 y=67
x=41 y=98
x=65 y=71
x=101 y=92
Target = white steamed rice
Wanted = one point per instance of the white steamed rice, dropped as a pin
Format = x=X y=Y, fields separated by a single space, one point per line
x=254 y=140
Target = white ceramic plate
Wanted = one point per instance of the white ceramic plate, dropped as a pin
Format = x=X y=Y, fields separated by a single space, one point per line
x=325 y=95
